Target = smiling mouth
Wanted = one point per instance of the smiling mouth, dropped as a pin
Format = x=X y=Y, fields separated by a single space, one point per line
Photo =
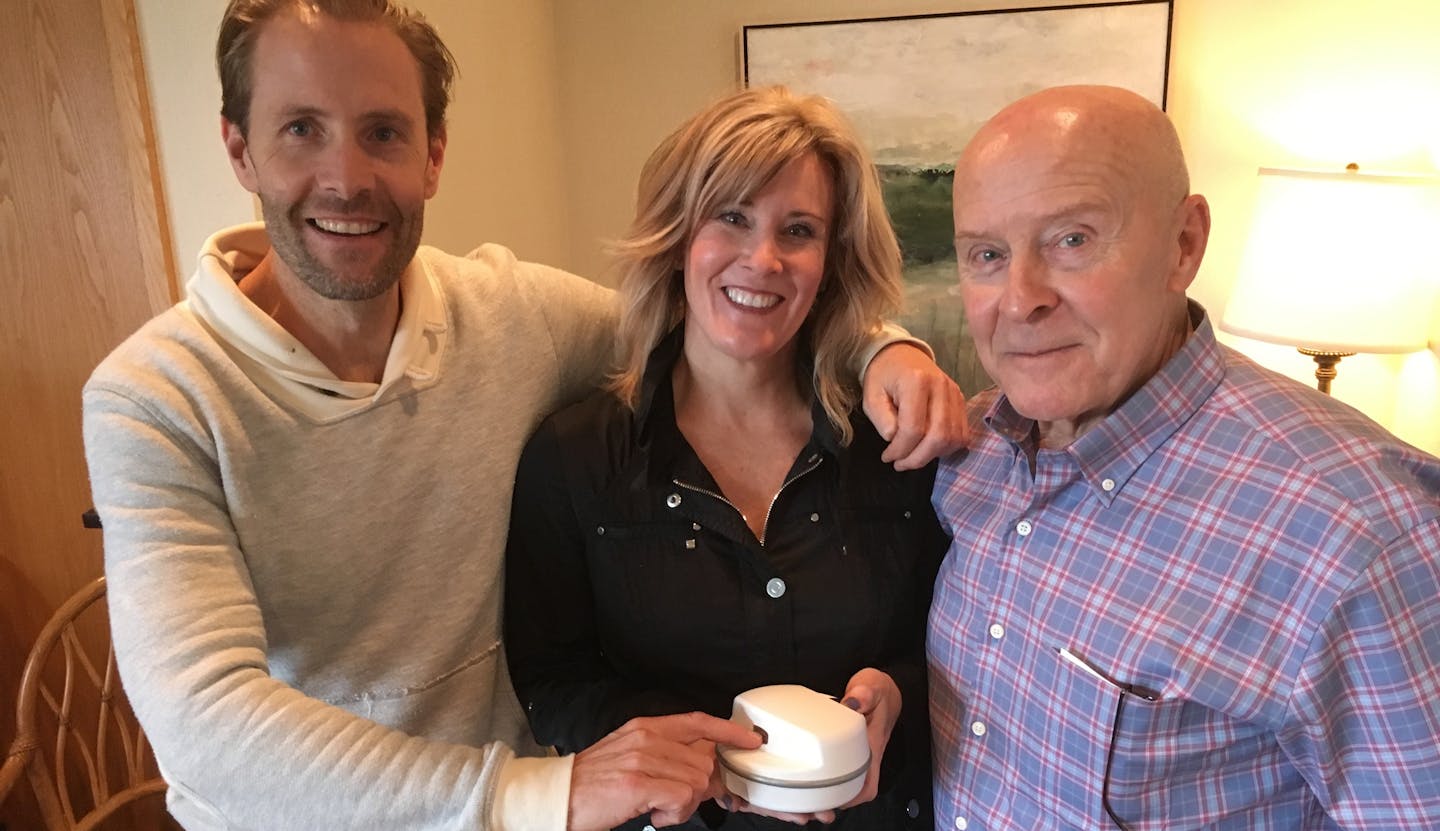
x=347 y=228
x=750 y=299
x=1039 y=353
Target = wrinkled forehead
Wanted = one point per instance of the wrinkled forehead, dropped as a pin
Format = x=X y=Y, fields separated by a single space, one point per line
x=1046 y=166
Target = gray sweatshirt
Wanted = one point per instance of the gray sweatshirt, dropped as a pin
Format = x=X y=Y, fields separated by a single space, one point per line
x=305 y=575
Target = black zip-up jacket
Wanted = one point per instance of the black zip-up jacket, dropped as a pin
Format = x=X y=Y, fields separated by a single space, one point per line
x=634 y=588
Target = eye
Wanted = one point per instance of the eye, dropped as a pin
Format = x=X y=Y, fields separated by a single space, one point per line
x=985 y=256
x=802 y=230
x=980 y=260
x=299 y=129
x=732 y=217
x=386 y=134
x=1074 y=239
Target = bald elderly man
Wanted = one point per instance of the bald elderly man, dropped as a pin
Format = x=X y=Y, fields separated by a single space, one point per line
x=1184 y=592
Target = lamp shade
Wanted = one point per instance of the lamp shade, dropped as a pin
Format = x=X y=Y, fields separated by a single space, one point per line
x=1338 y=262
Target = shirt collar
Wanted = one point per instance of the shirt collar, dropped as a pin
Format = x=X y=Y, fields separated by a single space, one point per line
x=279 y=362
x=1111 y=452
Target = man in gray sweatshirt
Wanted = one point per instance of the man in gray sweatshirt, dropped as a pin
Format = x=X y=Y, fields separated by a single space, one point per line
x=304 y=471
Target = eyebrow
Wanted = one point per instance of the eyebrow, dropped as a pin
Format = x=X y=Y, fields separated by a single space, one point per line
x=1044 y=220
x=309 y=111
x=301 y=111
x=749 y=202
x=387 y=115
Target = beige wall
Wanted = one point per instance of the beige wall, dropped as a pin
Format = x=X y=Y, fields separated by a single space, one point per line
x=561 y=100
x=503 y=179
x=177 y=38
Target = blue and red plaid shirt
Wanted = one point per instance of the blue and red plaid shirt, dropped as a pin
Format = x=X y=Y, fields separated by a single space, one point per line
x=1257 y=564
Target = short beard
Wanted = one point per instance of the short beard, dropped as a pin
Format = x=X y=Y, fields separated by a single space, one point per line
x=285 y=227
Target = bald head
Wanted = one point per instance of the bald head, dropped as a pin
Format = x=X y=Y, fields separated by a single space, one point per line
x=1076 y=237
x=1076 y=123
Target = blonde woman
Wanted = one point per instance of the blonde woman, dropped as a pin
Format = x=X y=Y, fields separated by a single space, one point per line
x=720 y=518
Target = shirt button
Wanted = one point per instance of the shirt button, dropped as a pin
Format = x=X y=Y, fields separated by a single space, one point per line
x=961 y=824
x=1108 y=485
x=695 y=526
x=672 y=501
x=1023 y=527
x=997 y=631
x=775 y=588
x=814 y=517
x=912 y=808
x=600 y=530
x=977 y=727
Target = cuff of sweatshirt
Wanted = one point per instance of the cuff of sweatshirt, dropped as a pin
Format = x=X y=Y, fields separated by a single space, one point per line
x=887 y=334
x=532 y=794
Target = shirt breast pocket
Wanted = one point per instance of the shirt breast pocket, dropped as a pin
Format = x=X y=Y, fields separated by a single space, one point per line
x=1176 y=763
x=1161 y=760
x=652 y=582
x=1065 y=755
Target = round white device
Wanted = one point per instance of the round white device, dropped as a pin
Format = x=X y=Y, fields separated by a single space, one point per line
x=815 y=754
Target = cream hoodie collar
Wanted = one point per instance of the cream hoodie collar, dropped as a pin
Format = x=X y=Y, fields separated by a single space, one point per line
x=280 y=364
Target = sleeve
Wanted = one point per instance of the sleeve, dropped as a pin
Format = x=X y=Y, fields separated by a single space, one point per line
x=887 y=334
x=532 y=795
x=1365 y=712
x=570 y=693
x=580 y=317
x=239 y=748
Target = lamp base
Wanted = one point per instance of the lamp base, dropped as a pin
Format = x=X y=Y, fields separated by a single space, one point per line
x=1325 y=362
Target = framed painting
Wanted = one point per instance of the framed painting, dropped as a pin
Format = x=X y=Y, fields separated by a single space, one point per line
x=918 y=87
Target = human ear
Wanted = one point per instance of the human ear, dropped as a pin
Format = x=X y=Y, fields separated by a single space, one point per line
x=435 y=159
x=237 y=149
x=1192 y=234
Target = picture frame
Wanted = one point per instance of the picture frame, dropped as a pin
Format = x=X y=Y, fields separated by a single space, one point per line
x=917 y=87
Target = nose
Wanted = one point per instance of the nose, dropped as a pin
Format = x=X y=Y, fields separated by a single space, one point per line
x=1028 y=292
x=763 y=254
x=345 y=169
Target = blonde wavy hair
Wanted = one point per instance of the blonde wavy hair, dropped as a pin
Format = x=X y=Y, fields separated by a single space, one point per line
x=720 y=157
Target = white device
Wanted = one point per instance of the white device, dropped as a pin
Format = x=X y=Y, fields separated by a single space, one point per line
x=815 y=754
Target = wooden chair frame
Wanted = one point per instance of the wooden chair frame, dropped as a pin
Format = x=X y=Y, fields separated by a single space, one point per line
x=49 y=777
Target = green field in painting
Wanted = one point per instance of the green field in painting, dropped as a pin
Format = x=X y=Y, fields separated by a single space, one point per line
x=918 y=199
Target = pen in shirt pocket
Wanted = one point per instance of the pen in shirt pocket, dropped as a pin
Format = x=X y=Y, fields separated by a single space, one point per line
x=1131 y=689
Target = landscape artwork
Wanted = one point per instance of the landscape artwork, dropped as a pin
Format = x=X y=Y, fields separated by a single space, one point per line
x=917 y=88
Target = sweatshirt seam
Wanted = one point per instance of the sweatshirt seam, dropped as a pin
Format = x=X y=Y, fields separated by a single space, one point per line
x=160 y=419
x=412 y=689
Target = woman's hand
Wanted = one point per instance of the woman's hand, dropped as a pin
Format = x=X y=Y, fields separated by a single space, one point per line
x=731 y=802
x=875 y=696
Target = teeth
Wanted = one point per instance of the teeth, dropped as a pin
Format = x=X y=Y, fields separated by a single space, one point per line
x=751 y=299
x=335 y=226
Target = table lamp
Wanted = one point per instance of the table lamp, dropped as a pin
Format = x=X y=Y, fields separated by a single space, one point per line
x=1338 y=263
